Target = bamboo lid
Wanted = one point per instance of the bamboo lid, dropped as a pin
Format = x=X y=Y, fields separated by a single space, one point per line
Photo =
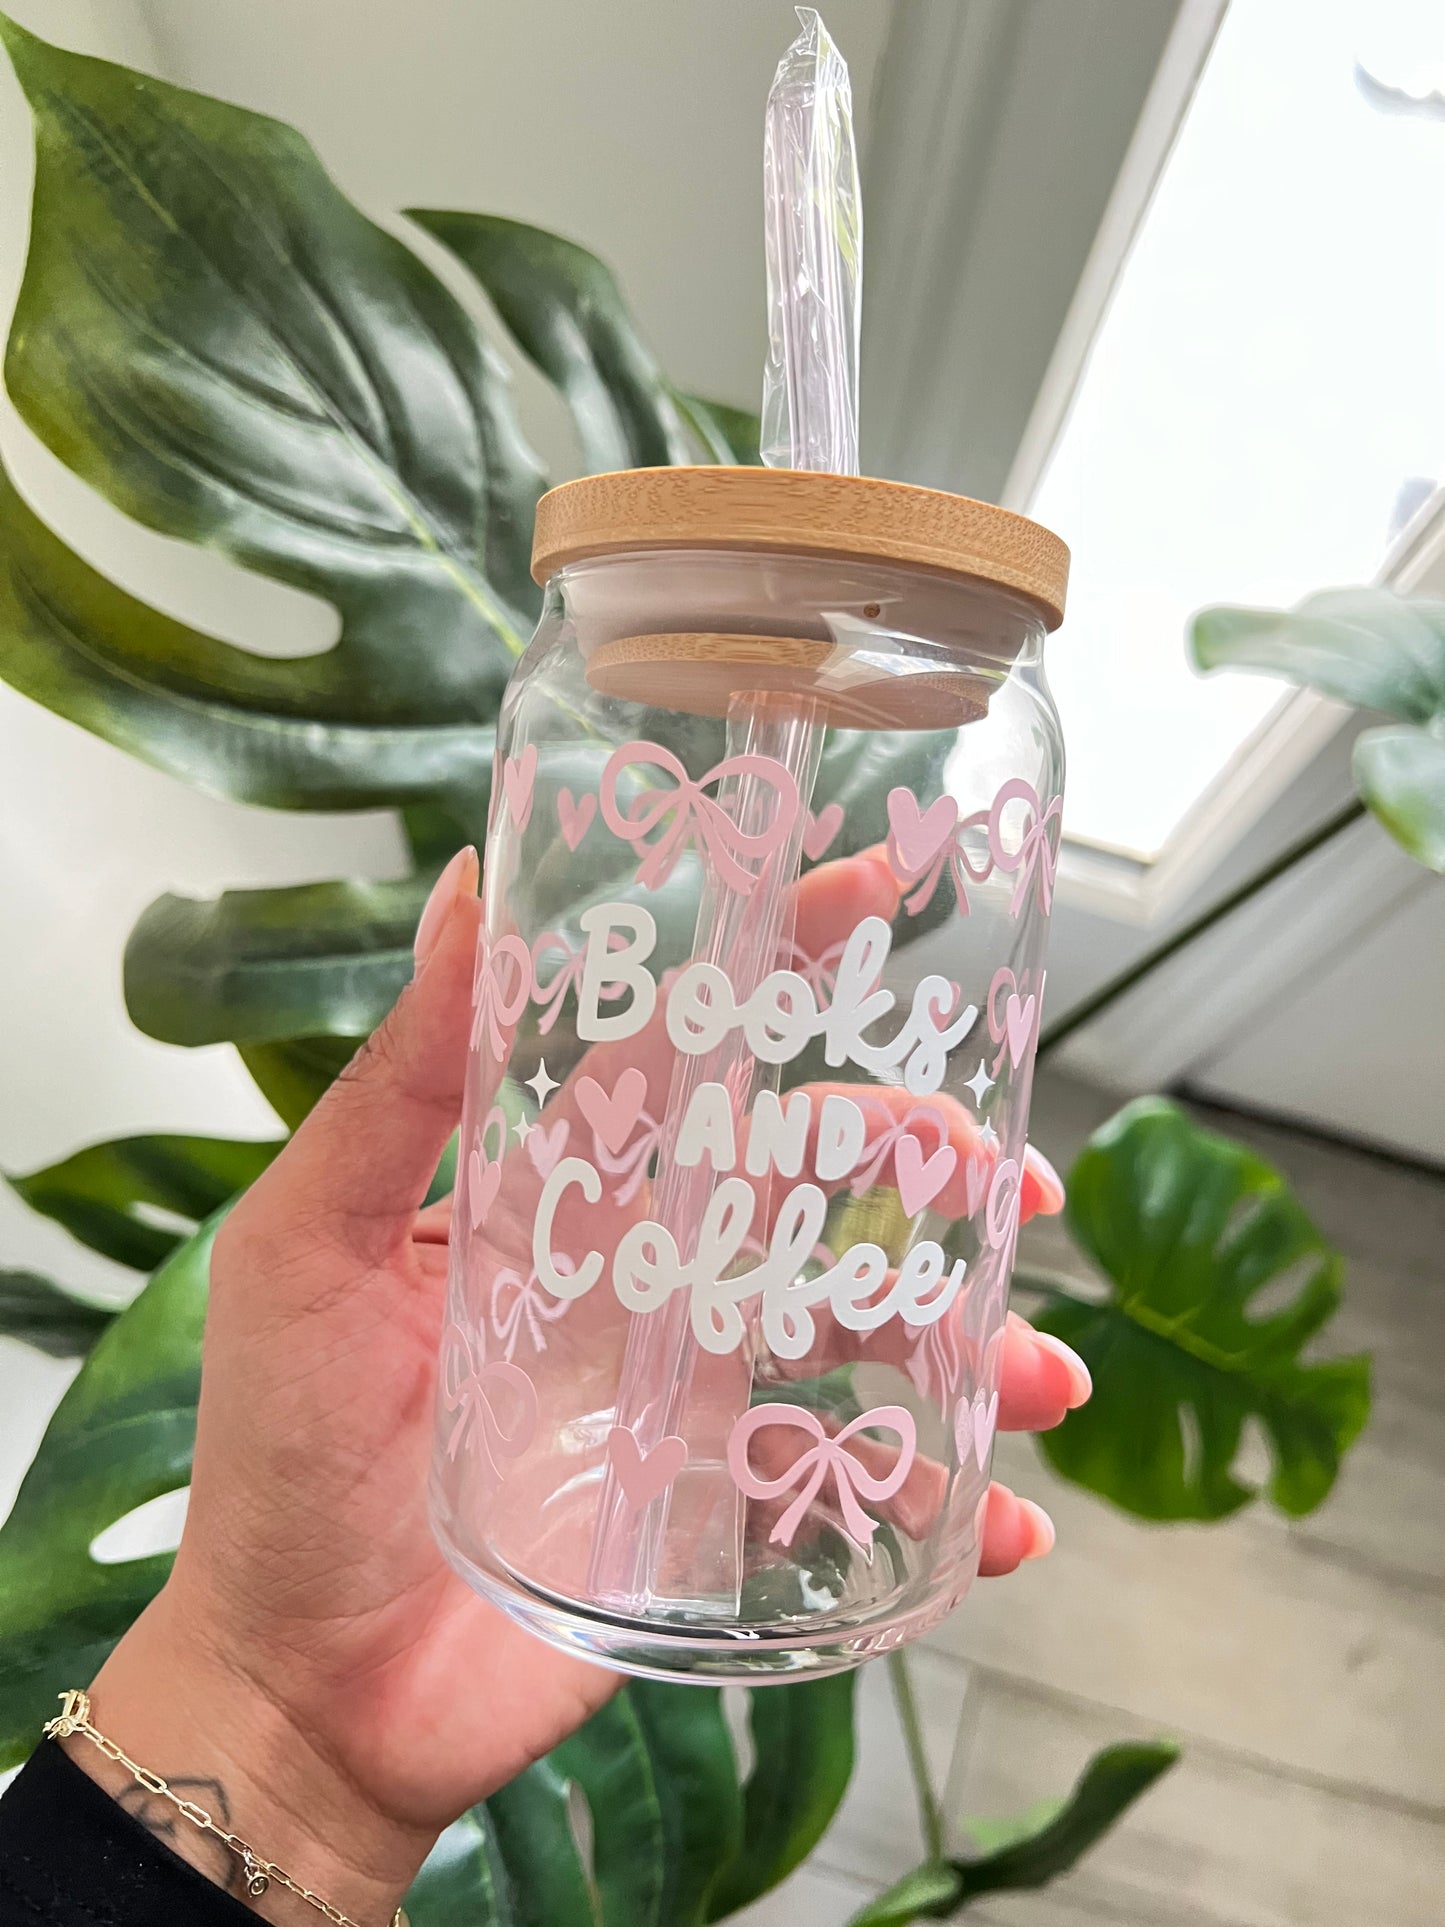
x=802 y=513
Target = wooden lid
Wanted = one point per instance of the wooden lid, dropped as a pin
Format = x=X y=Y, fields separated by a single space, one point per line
x=804 y=514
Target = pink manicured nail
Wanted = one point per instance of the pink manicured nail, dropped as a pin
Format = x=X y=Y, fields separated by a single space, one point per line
x=458 y=878
x=1081 y=1385
x=1051 y=1185
x=1043 y=1530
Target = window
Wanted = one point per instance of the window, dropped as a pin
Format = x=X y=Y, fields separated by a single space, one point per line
x=1265 y=393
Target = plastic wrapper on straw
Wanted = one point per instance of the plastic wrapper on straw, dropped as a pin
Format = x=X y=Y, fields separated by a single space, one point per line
x=814 y=231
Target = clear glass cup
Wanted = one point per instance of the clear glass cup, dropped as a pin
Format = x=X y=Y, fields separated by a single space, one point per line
x=773 y=843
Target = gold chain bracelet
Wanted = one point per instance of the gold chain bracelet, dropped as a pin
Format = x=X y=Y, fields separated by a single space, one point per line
x=258 y=1874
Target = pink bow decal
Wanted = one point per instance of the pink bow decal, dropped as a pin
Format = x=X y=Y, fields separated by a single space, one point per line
x=827 y=1455
x=567 y=976
x=877 y=1151
x=687 y=812
x=936 y=1363
x=922 y=843
x=1037 y=858
x=515 y=1303
x=495 y=1008
x=630 y=1164
x=820 y=973
x=468 y=1389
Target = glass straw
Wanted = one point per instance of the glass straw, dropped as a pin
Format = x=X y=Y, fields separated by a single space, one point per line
x=813 y=218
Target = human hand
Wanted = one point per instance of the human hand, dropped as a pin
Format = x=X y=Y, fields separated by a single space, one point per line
x=312 y=1653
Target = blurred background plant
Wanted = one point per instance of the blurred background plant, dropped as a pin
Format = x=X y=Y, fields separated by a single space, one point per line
x=216 y=340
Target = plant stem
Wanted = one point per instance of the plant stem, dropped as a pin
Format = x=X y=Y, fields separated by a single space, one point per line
x=1119 y=986
x=930 y=1816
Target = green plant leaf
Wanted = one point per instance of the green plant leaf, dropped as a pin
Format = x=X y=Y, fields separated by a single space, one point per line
x=122 y=1434
x=294 y=1076
x=101 y=1194
x=463 y=1882
x=1400 y=772
x=1191 y=1230
x=208 y=333
x=1041 y=1845
x=730 y=435
x=802 y=1761
x=933 y=1891
x=272 y=966
x=50 y=1318
x=695 y=1770
x=513 y=1862
x=567 y=313
x=611 y=1761
x=1377 y=650
x=219 y=718
x=532 y=1826
x=1030 y=1850
x=1366 y=646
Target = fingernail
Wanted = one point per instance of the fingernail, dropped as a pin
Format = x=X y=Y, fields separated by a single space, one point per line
x=1051 y=1185
x=458 y=878
x=1042 y=1541
x=1081 y=1385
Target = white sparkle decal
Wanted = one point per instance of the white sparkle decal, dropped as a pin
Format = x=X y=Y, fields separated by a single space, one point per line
x=980 y=1084
x=542 y=1084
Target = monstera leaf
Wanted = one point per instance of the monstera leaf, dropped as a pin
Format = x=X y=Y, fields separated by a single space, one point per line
x=1191 y=1230
x=103 y=1194
x=212 y=336
x=49 y=1318
x=803 y=1749
x=1376 y=650
x=121 y=1435
x=566 y=312
x=1029 y=1851
x=513 y=1862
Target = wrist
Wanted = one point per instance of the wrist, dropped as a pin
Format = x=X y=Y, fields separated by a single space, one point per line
x=182 y=1708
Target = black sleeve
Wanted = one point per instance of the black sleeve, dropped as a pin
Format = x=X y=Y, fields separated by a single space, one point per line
x=71 y=1857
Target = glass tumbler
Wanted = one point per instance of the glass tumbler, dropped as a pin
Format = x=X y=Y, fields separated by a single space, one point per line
x=774 y=830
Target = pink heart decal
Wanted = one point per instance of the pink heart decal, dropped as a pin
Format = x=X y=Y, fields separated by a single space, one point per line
x=613 y=1118
x=975 y=1182
x=545 y=1145
x=519 y=776
x=919 y=1183
x=985 y=1419
x=819 y=830
x=574 y=818
x=642 y=1479
x=1018 y=1023
x=482 y=1182
x=919 y=835
x=974 y=1424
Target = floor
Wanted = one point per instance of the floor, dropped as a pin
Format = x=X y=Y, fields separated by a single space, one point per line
x=1301 y=1665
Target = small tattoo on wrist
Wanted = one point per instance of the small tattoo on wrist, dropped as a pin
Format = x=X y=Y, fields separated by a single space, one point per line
x=202 y=1850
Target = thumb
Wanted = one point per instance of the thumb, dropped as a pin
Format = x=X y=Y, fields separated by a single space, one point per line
x=357 y=1170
